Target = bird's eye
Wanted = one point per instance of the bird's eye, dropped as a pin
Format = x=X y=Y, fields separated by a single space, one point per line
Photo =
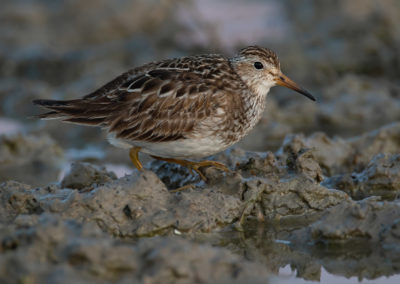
x=258 y=65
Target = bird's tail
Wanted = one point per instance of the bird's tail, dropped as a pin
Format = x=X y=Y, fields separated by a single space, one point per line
x=73 y=111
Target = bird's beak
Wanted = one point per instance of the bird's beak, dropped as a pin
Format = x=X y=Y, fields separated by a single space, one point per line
x=283 y=80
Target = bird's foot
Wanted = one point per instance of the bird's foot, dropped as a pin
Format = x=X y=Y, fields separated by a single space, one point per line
x=182 y=188
x=195 y=166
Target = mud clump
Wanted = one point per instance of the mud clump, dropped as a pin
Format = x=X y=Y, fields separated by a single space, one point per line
x=380 y=178
x=367 y=219
x=84 y=175
x=132 y=206
x=337 y=155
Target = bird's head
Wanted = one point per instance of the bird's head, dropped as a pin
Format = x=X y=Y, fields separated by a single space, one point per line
x=260 y=69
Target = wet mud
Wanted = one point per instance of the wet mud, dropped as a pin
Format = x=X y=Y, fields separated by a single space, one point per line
x=314 y=186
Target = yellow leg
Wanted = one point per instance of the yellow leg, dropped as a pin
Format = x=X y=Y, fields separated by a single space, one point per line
x=134 y=155
x=195 y=166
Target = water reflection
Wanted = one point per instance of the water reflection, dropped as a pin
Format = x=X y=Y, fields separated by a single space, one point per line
x=284 y=248
x=287 y=275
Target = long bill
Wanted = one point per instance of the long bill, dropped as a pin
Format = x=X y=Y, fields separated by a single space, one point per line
x=284 y=81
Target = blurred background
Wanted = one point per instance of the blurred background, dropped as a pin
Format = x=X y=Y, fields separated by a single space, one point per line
x=346 y=53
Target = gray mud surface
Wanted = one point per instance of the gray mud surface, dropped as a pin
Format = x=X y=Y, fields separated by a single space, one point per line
x=314 y=187
x=93 y=225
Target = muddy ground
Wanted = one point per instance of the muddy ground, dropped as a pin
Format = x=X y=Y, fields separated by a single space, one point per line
x=315 y=186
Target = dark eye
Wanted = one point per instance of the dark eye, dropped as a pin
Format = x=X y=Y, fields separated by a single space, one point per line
x=258 y=65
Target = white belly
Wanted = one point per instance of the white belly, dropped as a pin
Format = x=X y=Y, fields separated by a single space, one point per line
x=181 y=149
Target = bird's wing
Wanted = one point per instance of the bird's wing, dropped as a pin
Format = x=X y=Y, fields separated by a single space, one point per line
x=162 y=105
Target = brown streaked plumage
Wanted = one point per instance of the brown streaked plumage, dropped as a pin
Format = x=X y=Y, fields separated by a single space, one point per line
x=188 y=107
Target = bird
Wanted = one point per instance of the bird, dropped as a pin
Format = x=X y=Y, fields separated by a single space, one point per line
x=180 y=109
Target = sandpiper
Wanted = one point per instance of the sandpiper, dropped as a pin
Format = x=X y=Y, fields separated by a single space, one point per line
x=175 y=109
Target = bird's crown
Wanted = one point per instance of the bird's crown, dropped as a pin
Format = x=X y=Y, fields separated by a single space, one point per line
x=261 y=52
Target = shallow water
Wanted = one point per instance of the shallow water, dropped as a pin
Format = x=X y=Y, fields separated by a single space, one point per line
x=287 y=275
x=281 y=250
